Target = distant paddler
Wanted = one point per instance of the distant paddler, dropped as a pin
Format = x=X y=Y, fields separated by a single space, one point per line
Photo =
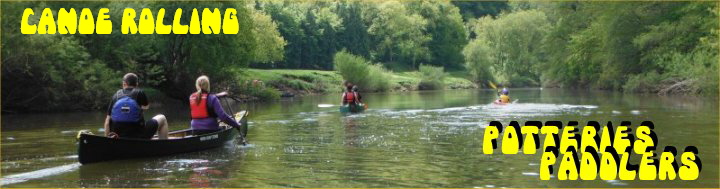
x=503 y=96
x=351 y=99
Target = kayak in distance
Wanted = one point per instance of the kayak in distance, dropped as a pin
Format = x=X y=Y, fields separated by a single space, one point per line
x=95 y=148
x=354 y=108
x=498 y=102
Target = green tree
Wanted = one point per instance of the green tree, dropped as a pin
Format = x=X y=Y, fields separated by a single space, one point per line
x=447 y=31
x=270 y=45
x=479 y=61
x=354 y=36
x=290 y=30
x=400 y=36
x=515 y=42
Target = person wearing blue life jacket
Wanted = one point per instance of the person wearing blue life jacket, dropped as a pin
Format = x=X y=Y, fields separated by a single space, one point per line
x=125 y=113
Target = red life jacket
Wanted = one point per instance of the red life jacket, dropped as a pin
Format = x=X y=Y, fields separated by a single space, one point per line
x=349 y=97
x=199 y=110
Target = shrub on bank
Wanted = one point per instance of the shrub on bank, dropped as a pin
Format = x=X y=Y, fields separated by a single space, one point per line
x=257 y=89
x=357 y=70
x=431 y=77
x=62 y=76
x=647 y=82
x=690 y=73
x=378 y=78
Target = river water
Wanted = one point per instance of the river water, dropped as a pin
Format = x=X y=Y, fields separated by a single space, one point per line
x=412 y=139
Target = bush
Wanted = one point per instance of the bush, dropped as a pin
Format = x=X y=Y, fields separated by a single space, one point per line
x=52 y=72
x=257 y=89
x=645 y=83
x=478 y=61
x=431 y=77
x=357 y=70
x=378 y=78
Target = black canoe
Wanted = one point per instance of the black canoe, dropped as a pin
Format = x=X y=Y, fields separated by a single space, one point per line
x=94 y=148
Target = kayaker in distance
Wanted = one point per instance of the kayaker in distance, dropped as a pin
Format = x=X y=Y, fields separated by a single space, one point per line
x=504 y=97
x=205 y=109
x=125 y=113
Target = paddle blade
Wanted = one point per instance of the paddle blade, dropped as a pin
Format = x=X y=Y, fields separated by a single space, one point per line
x=492 y=84
x=325 y=105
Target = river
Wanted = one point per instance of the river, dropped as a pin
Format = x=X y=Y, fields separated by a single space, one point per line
x=411 y=139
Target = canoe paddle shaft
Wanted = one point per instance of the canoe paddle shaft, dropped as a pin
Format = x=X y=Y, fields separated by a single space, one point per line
x=242 y=134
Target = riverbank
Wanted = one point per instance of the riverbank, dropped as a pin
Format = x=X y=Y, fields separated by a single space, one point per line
x=309 y=82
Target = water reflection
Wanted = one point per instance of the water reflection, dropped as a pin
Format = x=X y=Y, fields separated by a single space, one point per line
x=412 y=139
x=201 y=169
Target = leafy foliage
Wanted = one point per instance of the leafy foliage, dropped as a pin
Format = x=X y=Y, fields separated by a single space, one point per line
x=512 y=43
x=357 y=70
x=432 y=77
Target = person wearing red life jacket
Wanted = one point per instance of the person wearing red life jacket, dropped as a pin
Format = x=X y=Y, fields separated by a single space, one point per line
x=205 y=109
x=349 y=97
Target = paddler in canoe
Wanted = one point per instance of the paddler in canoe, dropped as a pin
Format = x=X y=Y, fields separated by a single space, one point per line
x=206 y=109
x=125 y=113
x=351 y=99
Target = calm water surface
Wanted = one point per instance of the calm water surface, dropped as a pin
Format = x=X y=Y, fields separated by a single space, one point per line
x=413 y=139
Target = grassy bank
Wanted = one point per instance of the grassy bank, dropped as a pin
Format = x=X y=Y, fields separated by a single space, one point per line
x=304 y=82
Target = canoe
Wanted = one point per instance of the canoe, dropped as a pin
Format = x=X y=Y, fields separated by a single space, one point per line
x=94 y=148
x=353 y=108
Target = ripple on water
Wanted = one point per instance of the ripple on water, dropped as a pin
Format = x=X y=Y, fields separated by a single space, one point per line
x=277 y=121
x=22 y=177
x=616 y=182
x=479 y=115
x=187 y=161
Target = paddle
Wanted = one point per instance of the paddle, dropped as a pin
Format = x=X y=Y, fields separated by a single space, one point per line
x=494 y=87
x=498 y=91
x=326 y=105
x=223 y=95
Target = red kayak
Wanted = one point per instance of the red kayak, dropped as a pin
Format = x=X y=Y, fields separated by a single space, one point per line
x=499 y=103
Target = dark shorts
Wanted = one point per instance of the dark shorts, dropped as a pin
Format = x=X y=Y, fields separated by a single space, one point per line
x=144 y=131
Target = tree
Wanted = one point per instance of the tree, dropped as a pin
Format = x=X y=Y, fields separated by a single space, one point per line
x=515 y=42
x=289 y=28
x=476 y=9
x=354 y=36
x=270 y=44
x=447 y=30
x=399 y=35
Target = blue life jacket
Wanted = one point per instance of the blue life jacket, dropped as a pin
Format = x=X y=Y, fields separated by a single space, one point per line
x=126 y=110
